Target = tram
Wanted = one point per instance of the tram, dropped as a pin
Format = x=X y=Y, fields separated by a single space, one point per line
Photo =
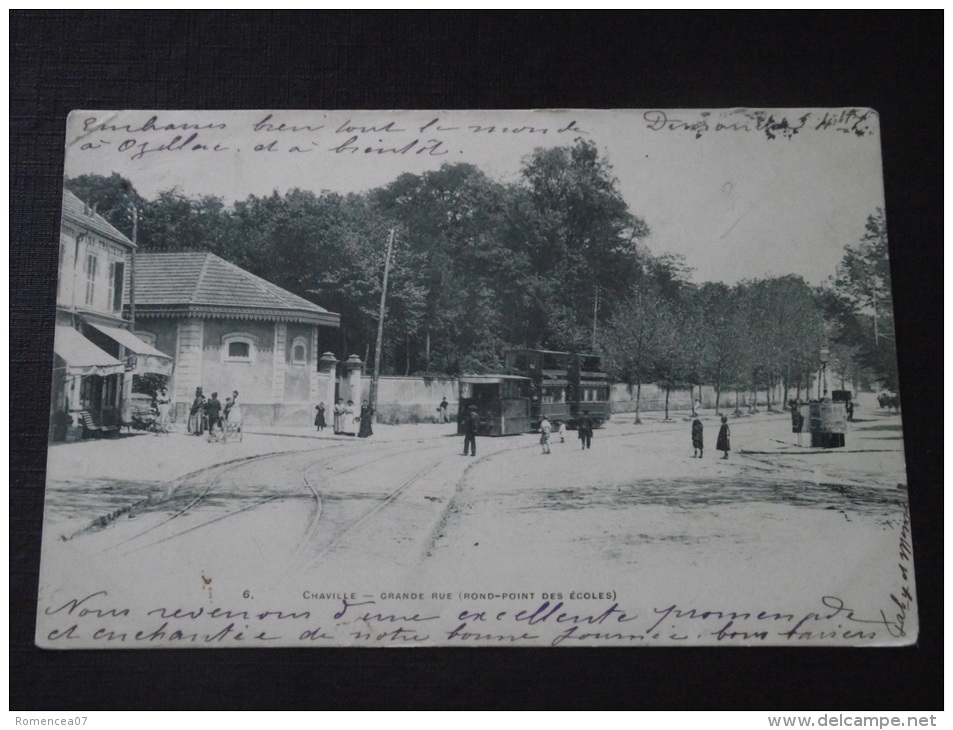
x=502 y=403
x=562 y=386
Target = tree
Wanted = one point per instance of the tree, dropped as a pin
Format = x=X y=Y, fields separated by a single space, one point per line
x=113 y=197
x=580 y=234
x=632 y=340
x=863 y=281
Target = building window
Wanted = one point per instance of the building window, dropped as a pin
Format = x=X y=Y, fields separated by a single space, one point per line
x=117 y=272
x=299 y=351
x=239 y=347
x=148 y=337
x=92 y=264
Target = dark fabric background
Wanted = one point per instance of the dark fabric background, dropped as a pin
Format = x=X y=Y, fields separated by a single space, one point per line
x=349 y=60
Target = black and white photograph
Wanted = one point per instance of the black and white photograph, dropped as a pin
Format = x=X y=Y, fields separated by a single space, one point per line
x=529 y=378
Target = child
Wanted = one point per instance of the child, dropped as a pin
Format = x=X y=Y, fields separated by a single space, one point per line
x=724 y=437
x=544 y=430
x=562 y=431
x=697 y=439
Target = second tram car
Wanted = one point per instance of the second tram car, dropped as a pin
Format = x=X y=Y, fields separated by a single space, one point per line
x=563 y=385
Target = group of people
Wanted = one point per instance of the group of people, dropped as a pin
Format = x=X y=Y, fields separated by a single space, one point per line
x=698 y=438
x=209 y=415
x=343 y=414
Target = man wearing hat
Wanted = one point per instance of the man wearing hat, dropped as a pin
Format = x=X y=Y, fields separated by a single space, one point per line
x=470 y=428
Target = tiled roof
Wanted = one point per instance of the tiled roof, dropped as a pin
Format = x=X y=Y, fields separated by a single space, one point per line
x=202 y=284
x=78 y=212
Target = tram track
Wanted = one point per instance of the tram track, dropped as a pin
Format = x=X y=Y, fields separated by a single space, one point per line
x=307 y=485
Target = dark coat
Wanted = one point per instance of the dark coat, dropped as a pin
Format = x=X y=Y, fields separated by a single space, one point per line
x=472 y=424
x=698 y=440
x=213 y=409
x=319 y=417
x=724 y=438
x=585 y=427
x=365 y=430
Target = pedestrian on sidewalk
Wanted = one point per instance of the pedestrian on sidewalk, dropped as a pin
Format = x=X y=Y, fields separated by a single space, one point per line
x=442 y=408
x=698 y=440
x=724 y=437
x=471 y=425
x=545 y=428
x=366 y=415
x=164 y=406
x=339 y=416
x=213 y=415
x=319 y=421
x=197 y=414
x=348 y=419
x=585 y=430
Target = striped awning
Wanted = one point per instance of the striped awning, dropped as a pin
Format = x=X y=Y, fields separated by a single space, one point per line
x=82 y=356
x=144 y=358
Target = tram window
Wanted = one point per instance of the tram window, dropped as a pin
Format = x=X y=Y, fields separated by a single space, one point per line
x=511 y=389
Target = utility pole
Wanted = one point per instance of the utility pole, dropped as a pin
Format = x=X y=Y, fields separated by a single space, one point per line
x=380 y=324
x=595 y=319
x=132 y=270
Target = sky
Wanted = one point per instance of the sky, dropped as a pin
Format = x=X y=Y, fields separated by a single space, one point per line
x=712 y=185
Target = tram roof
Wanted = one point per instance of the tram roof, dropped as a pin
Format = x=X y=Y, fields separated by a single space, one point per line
x=489 y=378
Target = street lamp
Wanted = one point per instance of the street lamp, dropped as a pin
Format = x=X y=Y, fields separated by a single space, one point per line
x=825 y=355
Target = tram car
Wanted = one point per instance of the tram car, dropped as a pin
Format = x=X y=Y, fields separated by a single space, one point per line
x=502 y=402
x=563 y=385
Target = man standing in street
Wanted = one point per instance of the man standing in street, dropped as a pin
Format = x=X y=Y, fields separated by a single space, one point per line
x=442 y=408
x=470 y=427
x=585 y=430
x=213 y=413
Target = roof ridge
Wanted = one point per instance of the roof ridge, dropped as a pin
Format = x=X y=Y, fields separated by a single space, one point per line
x=198 y=283
x=269 y=288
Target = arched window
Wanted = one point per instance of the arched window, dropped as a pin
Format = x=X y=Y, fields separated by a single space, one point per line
x=239 y=347
x=299 y=351
x=148 y=337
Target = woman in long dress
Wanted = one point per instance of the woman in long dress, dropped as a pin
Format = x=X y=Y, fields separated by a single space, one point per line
x=197 y=414
x=367 y=414
x=164 y=406
x=339 y=416
x=348 y=419
x=724 y=437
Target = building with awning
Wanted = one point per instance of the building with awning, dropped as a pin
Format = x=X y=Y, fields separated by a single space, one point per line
x=141 y=356
x=96 y=356
x=230 y=330
x=81 y=357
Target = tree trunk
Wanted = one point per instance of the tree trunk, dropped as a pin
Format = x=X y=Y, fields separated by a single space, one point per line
x=717 y=398
x=667 y=390
x=638 y=395
x=427 y=351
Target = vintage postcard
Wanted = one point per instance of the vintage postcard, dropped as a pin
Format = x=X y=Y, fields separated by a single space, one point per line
x=475 y=378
